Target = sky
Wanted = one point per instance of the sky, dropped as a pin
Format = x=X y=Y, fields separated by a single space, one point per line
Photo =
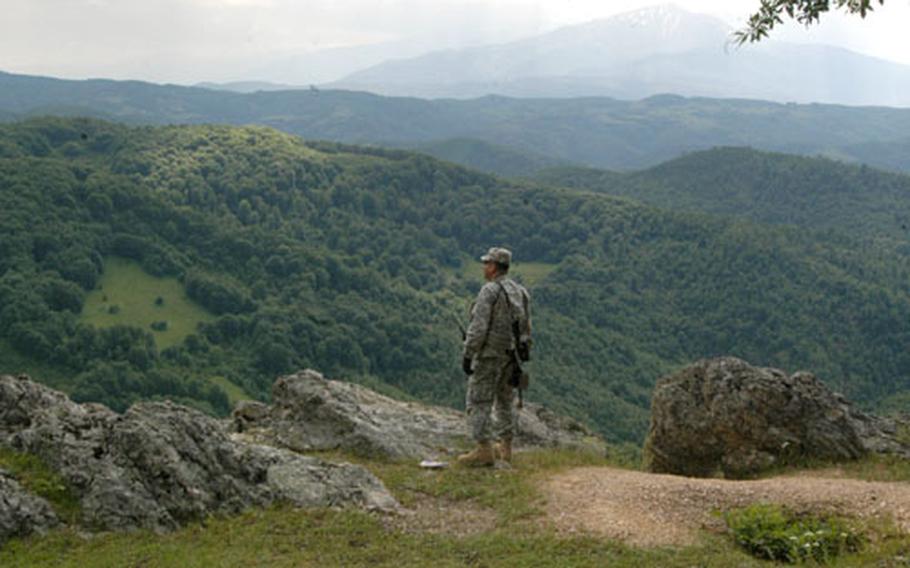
x=311 y=41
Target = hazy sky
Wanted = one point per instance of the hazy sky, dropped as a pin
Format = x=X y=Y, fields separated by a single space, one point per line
x=185 y=41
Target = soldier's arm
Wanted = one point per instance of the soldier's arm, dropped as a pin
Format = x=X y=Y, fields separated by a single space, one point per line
x=480 y=320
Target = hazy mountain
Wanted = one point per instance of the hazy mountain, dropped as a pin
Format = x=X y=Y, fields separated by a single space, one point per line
x=655 y=50
x=891 y=155
x=491 y=158
x=585 y=50
x=248 y=86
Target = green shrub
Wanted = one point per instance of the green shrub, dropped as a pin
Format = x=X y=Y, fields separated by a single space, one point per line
x=773 y=533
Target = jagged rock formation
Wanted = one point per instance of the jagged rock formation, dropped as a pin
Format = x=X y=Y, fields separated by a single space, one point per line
x=160 y=464
x=309 y=412
x=723 y=415
x=22 y=513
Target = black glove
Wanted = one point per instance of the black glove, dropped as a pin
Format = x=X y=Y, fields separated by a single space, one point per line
x=466 y=366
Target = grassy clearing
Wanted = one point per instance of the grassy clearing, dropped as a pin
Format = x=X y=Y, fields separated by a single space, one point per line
x=282 y=537
x=234 y=392
x=285 y=537
x=127 y=295
x=511 y=493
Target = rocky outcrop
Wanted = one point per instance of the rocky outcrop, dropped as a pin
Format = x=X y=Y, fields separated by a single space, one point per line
x=309 y=412
x=22 y=513
x=723 y=415
x=160 y=464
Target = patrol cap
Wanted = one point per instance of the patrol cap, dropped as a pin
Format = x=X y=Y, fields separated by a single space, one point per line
x=498 y=255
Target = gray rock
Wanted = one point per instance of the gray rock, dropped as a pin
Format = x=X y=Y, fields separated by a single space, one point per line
x=247 y=413
x=22 y=513
x=309 y=412
x=723 y=415
x=540 y=427
x=161 y=464
x=309 y=482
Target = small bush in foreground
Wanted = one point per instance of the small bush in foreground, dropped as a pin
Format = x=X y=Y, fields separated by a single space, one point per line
x=773 y=533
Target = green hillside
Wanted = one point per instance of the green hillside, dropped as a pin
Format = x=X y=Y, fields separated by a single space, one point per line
x=888 y=155
x=353 y=261
x=814 y=193
x=594 y=131
x=491 y=158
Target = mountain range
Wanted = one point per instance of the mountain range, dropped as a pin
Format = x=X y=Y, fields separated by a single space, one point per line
x=598 y=132
x=662 y=49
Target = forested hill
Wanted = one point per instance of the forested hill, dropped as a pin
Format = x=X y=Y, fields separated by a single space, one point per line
x=814 y=193
x=353 y=261
x=599 y=132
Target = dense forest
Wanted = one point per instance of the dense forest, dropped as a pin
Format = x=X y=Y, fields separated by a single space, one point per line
x=356 y=261
x=768 y=188
x=596 y=131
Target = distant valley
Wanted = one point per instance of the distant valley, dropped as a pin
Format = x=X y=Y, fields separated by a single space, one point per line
x=355 y=260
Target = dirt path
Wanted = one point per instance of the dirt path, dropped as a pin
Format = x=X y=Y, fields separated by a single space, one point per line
x=664 y=510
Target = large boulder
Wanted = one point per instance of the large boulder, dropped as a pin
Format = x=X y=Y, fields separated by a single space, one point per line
x=161 y=464
x=22 y=513
x=309 y=412
x=724 y=415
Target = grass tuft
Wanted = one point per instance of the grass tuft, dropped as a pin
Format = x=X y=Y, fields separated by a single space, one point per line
x=34 y=476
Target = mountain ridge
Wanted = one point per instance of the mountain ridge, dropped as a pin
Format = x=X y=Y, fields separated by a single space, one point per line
x=594 y=131
x=764 y=187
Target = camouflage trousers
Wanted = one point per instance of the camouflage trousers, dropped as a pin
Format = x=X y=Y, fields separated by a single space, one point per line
x=489 y=399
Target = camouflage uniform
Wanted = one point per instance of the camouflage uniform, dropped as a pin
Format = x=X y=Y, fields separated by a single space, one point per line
x=489 y=343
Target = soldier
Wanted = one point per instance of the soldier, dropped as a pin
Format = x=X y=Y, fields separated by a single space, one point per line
x=489 y=358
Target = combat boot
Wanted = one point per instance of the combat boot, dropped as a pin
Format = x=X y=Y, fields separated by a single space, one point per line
x=503 y=450
x=480 y=456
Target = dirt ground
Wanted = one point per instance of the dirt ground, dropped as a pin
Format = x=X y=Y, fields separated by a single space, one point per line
x=644 y=509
